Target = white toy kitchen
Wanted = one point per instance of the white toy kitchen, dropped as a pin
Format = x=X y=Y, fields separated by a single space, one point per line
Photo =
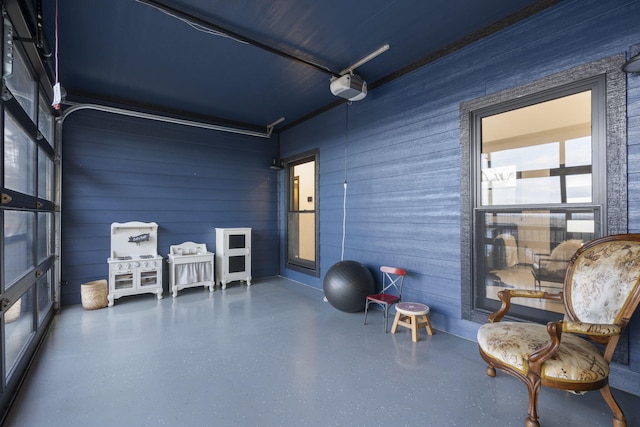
x=134 y=265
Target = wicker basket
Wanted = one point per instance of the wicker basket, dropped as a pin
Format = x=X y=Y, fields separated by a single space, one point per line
x=13 y=313
x=94 y=294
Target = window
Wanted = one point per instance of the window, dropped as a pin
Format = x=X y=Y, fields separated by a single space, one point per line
x=536 y=184
x=27 y=213
x=19 y=171
x=21 y=84
x=45 y=121
x=18 y=244
x=18 y=330
x=302 y=224
x=538 y=154
x=535 y=175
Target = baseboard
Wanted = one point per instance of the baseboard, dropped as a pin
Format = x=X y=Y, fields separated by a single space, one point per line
x=622 y=378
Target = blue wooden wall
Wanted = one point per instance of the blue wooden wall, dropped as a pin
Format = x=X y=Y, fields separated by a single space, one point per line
x=188 y=180
x=402 y=146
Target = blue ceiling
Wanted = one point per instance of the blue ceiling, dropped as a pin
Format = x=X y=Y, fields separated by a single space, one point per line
x=129 y=53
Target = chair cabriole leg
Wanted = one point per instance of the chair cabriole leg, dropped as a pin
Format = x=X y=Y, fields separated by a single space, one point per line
x=529 y=423
x=491 y=371
x=533 y=387
x=619 y=423
x=619 y=419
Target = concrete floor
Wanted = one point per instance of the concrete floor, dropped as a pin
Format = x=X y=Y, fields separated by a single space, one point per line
x=273 y=354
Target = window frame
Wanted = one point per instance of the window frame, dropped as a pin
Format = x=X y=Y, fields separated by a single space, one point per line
x=613 y=191
x=596 y=87
x=310 y=268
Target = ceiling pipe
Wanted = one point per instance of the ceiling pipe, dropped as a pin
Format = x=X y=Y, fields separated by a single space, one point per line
x=180 y=14
x=271 y=126
x=173 y=120
x=366 y=59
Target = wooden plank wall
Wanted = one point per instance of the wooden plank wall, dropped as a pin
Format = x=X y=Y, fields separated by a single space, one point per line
x=633 y=170
x=403 y=153
x=188 y=180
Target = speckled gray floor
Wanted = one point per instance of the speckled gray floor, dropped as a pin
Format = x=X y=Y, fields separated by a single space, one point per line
x=273 y=354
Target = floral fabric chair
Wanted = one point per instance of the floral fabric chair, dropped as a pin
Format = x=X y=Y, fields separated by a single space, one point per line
x=600 y=293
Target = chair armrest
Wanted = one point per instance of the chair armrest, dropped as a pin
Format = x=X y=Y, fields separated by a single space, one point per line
x=555 y=330
x=537 y=257
x=591 y=329
x=538 y=254
x=539 y=356
x=529 y=293
x=547 y=257
x=506 y=295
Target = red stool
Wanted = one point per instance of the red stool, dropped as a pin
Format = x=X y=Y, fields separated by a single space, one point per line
x=414 y=316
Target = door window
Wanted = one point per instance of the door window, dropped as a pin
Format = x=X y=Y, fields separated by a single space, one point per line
x=301 y=215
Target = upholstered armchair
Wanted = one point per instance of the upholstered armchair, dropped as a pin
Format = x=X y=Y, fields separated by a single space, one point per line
x=600 y=293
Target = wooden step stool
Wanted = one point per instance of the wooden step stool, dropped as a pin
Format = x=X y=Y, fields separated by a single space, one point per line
x=414 y=316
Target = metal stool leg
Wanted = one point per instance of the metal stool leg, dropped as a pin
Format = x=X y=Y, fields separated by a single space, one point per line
x=366 y=308
x=386 y=316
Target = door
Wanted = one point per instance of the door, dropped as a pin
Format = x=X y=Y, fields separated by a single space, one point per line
x=301 y=214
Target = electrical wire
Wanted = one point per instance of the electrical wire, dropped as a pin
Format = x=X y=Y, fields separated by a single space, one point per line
x=56 y=57
x=56 y=41
x=192 y=24
x=203 y=25
x=344 y=200
x=57 y=89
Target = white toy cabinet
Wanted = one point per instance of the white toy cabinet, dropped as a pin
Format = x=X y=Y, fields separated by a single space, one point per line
x=190 y=265
x=134 y=265
x=233 y=255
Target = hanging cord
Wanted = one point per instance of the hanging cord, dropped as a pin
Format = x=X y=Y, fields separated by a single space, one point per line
x=344 y=201
x=57 y=71
x=57 y=92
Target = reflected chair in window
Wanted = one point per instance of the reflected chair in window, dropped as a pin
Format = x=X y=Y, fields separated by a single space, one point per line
x=552 y=267
x=600 y=293
x=392 y=282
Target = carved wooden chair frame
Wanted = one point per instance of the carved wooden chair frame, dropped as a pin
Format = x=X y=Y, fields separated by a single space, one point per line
x=537 y=364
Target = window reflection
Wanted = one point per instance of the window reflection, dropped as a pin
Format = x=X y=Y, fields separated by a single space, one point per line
x=18 y=245
x=540 y=154
x=578 y=151
x=18 y=329
x=45 y=296
x=18 y=158
x=45 y=176
x=44 y=235
x=45 y=120
x=530 y=249
x=579 y=188
x=21 y=84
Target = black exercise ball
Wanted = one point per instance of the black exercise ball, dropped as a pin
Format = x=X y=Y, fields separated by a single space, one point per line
x=347 y=284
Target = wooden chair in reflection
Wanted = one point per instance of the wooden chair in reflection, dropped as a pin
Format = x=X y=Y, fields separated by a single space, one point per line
x=600 y=293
